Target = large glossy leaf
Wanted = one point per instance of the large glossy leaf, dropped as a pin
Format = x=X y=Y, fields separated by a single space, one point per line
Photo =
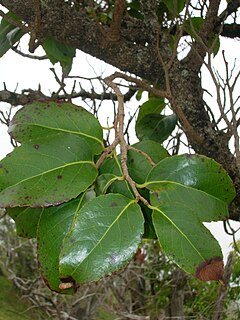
x=103 y=239
x=45 y=118
x=26 y=220
x=53 y=225
x=138 y=164
x=155 y=127
x=196 y=171
x=9 y=34
x=177 y=218
x=53 y=170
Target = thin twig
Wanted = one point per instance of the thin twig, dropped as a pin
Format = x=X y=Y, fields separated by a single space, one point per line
x=119 y=127
x=144 y=154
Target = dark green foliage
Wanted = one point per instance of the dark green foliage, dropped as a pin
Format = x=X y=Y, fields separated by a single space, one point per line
x=79 y=242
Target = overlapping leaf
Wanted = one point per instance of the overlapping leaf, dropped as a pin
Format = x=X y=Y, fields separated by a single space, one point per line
x=104 y=237
x=9 y=34
x=104 y=181
x=151 y=125
x=53 y=225
x=177 y=218
x=113 y=184
x=186 y=191
x=151 y=106
x=52 y=170
x=197 y=172
x=138 y=163
x=26 y=220
x=46 y=118
x=155 y=127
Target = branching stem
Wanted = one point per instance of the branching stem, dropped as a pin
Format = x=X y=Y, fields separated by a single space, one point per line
x=119 y=132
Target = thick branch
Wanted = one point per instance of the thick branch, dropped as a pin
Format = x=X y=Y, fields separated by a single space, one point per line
x=79 y=30
x=28 y=96
x=231 y=30
x=199 y=48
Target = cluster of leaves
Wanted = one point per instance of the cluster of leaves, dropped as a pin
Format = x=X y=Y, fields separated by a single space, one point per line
x=86 y=219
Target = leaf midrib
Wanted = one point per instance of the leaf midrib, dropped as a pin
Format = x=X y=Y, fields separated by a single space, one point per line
x=104 y=235
x=62 y=130
x=48 y=171
x=177 y=228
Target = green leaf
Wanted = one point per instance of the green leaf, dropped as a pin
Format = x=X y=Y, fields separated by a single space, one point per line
x=175 y=6
x=156 y=127
x=26 y=220
x=138 y=164
x=112 y=166
x=151 y=106
x=44 y=118
x=104 y=181
x=149 y=230
x=52 y=170
x=59 y=52
x=53 y=225
x=217 y=45
x=177 y=216
x=9 y=34
x=103 y=239
x=193 y=25
x=121 y=187
x=139 y=95
x=197 y=172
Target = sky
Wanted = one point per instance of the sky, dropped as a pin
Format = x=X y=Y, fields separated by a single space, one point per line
x=19 y=73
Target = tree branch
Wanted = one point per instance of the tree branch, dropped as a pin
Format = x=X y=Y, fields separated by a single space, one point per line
x=230 y=30
x=29 y=96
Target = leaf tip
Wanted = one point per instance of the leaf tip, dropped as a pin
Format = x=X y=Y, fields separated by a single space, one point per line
x=210 y=270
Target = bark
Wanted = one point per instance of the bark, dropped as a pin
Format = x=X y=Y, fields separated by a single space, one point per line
x=175 y=308
x=135 y=49
x=218 y=312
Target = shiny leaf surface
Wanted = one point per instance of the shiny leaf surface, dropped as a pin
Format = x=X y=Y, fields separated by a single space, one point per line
x=48 y=172
x=155 y=127
x=177 y=217
x=103 y=238
x=197 y=172
x=112 y=166
x=53 y=225
x=138 y=164
x=151 y=106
